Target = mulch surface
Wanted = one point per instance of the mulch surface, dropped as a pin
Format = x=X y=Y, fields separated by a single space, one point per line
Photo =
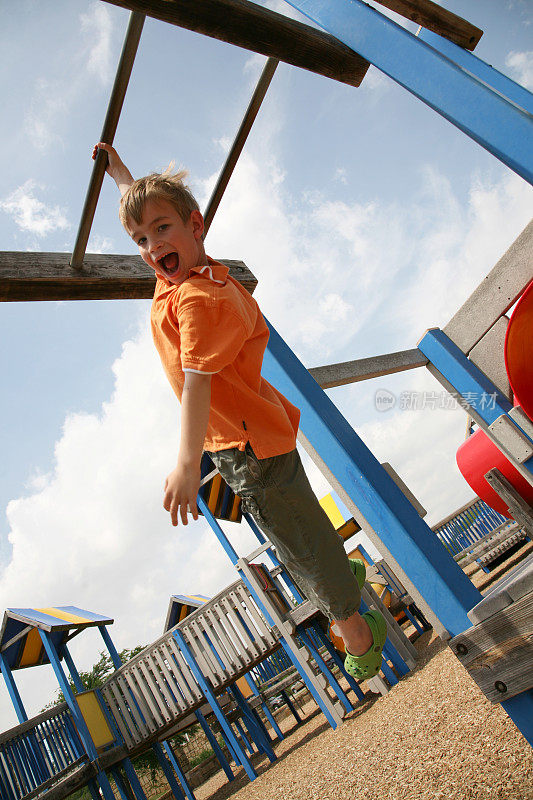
x=434 y=736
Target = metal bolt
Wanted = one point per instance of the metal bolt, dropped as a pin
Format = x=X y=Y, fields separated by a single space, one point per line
x=462 y=649
x=500 y=687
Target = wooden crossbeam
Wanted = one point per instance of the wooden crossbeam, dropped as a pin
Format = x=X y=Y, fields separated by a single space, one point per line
x=437 y=19
x=263 y=31
x=49 y=276
x=363 y=369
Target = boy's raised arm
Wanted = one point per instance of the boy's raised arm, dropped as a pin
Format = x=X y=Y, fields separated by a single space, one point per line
x=115 y=167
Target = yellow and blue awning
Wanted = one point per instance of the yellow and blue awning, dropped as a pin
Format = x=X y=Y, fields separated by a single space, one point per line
x=180 y=606
x=20 y=641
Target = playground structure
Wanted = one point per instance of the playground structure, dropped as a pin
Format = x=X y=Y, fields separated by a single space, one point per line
x=217 y=660
x=466 y=357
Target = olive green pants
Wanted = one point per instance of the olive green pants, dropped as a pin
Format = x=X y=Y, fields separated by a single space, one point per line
x=277 y=494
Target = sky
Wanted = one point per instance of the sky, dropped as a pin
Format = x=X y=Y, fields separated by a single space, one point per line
x=365 y=216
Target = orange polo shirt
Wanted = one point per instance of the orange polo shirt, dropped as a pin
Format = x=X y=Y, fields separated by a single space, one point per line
x=211 y=324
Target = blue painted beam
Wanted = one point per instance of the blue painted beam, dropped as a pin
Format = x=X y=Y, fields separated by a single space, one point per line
x=18 y=705
x=482 y=398
x=422 y=557
x=501 y=127
x=485 y=72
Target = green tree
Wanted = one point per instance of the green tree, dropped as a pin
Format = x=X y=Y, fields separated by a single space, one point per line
x=97 y=675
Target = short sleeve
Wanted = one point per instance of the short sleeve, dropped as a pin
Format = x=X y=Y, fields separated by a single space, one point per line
x=212 y=335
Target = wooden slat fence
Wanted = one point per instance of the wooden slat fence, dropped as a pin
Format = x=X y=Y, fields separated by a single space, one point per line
x=468 y=525
x=37 y=753
x=152 y=692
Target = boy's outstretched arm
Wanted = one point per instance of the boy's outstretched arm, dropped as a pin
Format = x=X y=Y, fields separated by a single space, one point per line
x=183 y=483
x=115 y=167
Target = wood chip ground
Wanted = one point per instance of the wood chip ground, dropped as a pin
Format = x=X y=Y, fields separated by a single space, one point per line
x=434 y=736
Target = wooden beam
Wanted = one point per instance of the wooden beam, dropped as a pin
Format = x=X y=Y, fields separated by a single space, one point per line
x=258 y=29
x=49 y=276
x=437 y=19
x=365 y=368
x=495 y=294
x=498 y=652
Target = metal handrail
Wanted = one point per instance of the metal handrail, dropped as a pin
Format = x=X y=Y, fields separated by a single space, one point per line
x=122 y=77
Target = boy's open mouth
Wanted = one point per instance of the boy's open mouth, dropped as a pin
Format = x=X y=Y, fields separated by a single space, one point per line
x=170 y=263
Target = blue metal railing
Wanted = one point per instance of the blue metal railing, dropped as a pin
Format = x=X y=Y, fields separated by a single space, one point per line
x=38 y=751
x=468 y=525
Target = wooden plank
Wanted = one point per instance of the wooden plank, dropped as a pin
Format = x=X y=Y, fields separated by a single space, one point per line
x=49 y=276
x=30 y=724
x=502 y=548
x=495 y=295
x=365 y=368
x=437 y=19
x=498 y=653
x=256 y=28
x=488 y=355
x=303 y=612
x=404 y=488
x=64 y=786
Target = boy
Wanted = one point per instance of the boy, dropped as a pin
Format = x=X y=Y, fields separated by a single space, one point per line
x=211 y=337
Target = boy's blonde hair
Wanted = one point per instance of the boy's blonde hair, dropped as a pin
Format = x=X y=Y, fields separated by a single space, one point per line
x=158 y=186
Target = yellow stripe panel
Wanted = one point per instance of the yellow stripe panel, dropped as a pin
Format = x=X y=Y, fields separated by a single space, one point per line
x=94 y=717
x=33 y=646
x=214 y=493
x=330 y=507
x=195 y=597
x=183 y=613
x=64 y=615
x=234 y=516
x=244 y=686
x=348 y=529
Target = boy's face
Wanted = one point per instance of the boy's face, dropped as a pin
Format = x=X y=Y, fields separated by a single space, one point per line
x=166 y=243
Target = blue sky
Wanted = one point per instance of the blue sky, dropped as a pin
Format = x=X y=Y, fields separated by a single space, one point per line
x=365 y=216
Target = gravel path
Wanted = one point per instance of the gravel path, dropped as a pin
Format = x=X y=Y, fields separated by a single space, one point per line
x=433 y=736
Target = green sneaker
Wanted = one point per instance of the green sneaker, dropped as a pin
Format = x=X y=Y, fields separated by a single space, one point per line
x=368 y=665
x=358 y=568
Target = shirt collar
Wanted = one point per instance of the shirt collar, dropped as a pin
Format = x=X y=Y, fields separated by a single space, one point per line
x=213 y=270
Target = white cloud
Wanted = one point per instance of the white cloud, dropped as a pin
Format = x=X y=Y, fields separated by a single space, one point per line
x=31 y=214
x=521 y=65
x=97 y=26
x=100 y=244
x=53 y=98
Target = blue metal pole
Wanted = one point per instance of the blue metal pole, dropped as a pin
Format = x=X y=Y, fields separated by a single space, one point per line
x=169 y=775
x=117 y=777
x=335 y=685
x=13 y=691
x=275 y=560
x=134 y=781
x=479 y=394
x=210 y=695
x=421 y=556
x=75 y=711
x=464 y=58
x=217 y=750
x=177 y=769
x=498 y=125
x=112 y=650
x=255 y=726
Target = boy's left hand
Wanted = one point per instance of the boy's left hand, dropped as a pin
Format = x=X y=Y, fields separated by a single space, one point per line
x=181 y=490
